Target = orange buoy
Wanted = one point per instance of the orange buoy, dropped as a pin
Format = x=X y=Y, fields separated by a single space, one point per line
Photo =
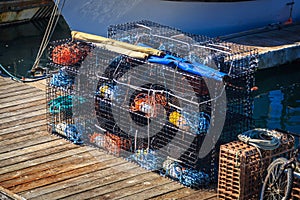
x=254 y=88
x=66 y=54
x=289 y=21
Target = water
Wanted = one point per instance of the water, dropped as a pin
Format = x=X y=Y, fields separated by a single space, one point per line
x=20 y=43
x=277 y=101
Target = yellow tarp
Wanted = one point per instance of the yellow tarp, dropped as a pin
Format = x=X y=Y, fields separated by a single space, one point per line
x=117 y=46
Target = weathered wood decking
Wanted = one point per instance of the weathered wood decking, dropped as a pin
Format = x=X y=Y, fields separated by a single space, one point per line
x=37 y=165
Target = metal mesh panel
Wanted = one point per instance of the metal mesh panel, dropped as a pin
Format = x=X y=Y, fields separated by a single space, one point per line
x=239 y=62
x=157 y=112
x=65 y=58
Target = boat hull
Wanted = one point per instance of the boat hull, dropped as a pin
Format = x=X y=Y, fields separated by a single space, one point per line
x=23 y=10
x=207 y=18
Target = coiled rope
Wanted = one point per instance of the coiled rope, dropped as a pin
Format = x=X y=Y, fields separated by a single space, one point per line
x=261 y=139
x=189 y=177
x=62 y=79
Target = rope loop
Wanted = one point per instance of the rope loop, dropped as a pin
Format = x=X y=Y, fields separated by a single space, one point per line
x=261 y=138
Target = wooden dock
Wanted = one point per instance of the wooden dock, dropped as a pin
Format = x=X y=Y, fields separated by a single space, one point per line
x=277 y=44
x=37 y=165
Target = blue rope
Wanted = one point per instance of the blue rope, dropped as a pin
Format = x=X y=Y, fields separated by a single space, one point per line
x=147 y=159
x=9 y=74
x=62 y=79
x=24 y=80
x=172 y=170
x=186 y=176
x=204 y=122
x=59 y=104
x=193 y=178
x=198 y=122
x=63 y=103
x=73 y=134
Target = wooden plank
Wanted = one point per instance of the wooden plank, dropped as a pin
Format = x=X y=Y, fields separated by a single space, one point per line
x=71 y=178
x=154 y=191
x=9 y=194
x=11 y=100
x=11 y=119
x=11 y=85
x=178 y=194
x=36 y=180
x=34 y=141
x=112 y=177
x=27 y=131
x=186 y=193
x=21 y=101
x=13 y=91
x=124 y=184
x=140 y=188
x=5 y=81
x=23 y=105
x=40 y=164
x=24 y=113
x=23 y=138
x=41 y=84
x=21 y=127
x=11 y=88
x=3 y=85
x=211 y=195
x=35 y=154
x=23 y=121
x=54 y=167
x=21 y=90
x=30 y=149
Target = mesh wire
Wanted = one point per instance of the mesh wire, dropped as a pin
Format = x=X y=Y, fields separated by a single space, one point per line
x=126 y=105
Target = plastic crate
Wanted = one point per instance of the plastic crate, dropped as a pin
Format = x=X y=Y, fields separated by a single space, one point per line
x=296 y=187
x=241 y=169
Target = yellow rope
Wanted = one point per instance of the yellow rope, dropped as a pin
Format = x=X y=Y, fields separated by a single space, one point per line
x=117 y=46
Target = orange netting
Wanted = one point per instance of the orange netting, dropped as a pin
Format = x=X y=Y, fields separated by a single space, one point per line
x=69 y=53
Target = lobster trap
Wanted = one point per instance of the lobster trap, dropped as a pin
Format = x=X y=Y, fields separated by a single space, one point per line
x=167 y=111
x=237 y=63
x=65 y=59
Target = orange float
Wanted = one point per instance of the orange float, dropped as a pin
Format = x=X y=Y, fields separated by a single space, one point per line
x=68 y=54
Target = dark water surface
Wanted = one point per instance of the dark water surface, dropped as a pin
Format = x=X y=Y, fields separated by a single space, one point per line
x=19 y=44
x=277 y=101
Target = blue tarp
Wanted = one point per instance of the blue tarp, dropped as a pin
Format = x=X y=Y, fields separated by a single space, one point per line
x=194 y=68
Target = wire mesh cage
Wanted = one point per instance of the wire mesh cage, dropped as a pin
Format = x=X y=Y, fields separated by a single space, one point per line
x=65 y=59
x=238 y=62
x=168 y=113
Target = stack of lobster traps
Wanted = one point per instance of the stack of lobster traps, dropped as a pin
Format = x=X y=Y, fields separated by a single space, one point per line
x=166 y=104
